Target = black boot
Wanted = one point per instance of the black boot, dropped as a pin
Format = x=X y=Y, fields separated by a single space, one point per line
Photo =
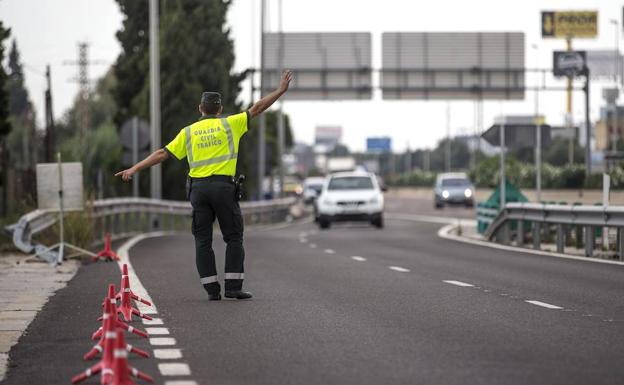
x=238 y=294
x=214 y=291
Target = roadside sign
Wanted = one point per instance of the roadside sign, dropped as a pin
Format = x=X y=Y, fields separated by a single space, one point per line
x=48 y=186
x=569 y=63
x=379 y=144
x=569 y=24
x=143 y=131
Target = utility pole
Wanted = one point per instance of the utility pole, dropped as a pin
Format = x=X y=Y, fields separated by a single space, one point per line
x=616 y=69
x=280 y=112
x=262 y=122
x=154 y=54
x=447 y=162
x=538 y=134
x=568 y=117
x=50 y=137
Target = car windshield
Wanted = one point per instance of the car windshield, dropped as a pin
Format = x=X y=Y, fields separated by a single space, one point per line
x=455 y=182
x=351 y=183
x=315 y=187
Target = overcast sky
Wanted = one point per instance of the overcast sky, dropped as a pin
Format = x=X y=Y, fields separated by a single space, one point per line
x=48 y=31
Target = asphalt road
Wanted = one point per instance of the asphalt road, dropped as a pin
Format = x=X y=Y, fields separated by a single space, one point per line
x=357 y=305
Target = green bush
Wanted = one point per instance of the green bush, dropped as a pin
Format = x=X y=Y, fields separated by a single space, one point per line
x=415 y=178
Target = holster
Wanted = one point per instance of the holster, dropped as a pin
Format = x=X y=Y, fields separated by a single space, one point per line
x=239 y=189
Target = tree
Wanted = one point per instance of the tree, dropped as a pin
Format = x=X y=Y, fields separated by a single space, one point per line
x=5 y=125
x=23 y=138
x=196 y=54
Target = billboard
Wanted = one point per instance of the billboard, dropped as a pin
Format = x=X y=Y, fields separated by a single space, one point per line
x=379 y=144
x=327 y=66
x=604 y=63
x=453 y=65
x=569 y=63
x=569 y=24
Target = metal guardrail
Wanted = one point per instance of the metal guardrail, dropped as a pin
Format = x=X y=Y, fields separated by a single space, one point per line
x=563 y=223
x=128 y=216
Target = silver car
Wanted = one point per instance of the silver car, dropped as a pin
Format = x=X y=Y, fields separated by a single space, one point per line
x=453 y=188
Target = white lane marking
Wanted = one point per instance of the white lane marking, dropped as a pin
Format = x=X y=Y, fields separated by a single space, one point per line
x=162 y=341
x=445 y=233
x=544 y=304
x=174 y=369
x=459 y=283
x=157 y=331
x=153 y=321
x=358 y=258
x=398 y=268
x=330 y=251
x=167 y=354
x=303 y=240
x=312 y=245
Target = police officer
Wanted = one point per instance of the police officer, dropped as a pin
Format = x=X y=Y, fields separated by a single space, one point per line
x=210 y=146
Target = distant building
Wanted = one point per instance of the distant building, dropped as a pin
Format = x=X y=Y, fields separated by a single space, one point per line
x=326 y=138
x=476 y=142
x=604 y=128
x=303 y=155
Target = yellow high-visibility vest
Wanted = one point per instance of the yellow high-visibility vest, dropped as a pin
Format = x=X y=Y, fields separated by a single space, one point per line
x=210 y=144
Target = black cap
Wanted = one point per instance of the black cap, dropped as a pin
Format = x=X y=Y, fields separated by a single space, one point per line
x=211 y=98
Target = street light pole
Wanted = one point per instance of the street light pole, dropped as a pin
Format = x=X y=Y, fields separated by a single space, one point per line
x=616 y=68
x=538 y=135
x=155 y=171
x=262 y=122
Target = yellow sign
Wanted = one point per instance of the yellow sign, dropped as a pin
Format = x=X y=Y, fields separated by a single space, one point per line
x=570 y=24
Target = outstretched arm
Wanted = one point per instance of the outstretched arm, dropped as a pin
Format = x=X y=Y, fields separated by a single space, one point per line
x=156 y=157
x=261 y=105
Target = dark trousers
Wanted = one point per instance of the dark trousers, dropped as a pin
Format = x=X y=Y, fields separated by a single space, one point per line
x=214 y=199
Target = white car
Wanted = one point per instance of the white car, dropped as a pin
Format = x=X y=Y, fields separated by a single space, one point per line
x=350 y=196
x=312 y=187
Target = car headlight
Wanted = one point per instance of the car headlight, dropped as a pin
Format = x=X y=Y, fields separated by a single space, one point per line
x=445 y=194
x=468 y=193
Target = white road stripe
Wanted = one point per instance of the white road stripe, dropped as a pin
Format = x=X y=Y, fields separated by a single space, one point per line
x=153 y=321
x=544 y=304
x=330 y=251
x=162 y=341
x=174 y=369
x=312 y=245
x=167 y=354
x=358 y=258
x=157 y=331
x=180 y=383
x=398 y=268
x=303 y=240
x=459 y=283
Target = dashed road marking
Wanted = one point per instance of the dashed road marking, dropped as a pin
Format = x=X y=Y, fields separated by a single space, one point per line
x=358 y=258
x=312 y=245
x=180 y=383
x=157 y=331
x=459 y=283
x=544 y=304
x=162 y=341
x=153 y=321
x=330 y=251
x=303 y=240
x=168 y=354
x=174 y=369
x=399 y=269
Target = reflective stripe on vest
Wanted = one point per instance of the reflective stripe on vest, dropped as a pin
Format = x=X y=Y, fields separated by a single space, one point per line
x=218 y=159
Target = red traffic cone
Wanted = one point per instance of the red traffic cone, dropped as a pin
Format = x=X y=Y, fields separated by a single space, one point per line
x=107 y=335
x=112 y=315
x=121 y=370
x=124 y=273
x=125 y=295
x=107 y=254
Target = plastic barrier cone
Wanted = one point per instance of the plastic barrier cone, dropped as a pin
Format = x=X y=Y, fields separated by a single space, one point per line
x=121 y=370
x=107 y=334
x=124 y=273
x=107 y=254
x=112 y=315
x=125 y=305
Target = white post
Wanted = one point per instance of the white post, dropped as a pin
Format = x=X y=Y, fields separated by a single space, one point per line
x=135 y=155
x=61 y=211
x=606 y=185
x=262 y=122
